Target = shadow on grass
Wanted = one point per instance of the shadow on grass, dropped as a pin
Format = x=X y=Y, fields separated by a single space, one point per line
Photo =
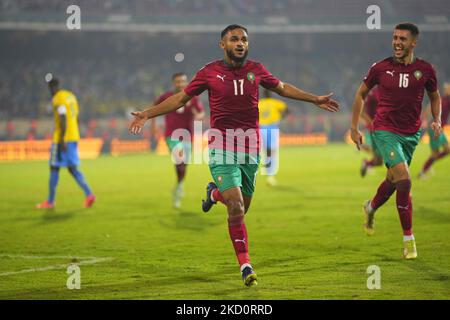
x=188 y=220
x=164 y=287
x=51 y=216
x=433 y=215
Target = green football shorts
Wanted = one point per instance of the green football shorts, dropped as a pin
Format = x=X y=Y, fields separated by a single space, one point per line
x=395 y=148
x=234 y=169
x=368 y=140
x=435 y=144
x=179 y=147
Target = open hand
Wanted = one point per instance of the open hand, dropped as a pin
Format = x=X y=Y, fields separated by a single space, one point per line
x=325 y=102
x=138 y=122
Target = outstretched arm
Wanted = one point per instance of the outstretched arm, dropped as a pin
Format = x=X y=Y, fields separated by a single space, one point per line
x=170 y=104
x=357 y=107
x=436 y=109
x=290 y=91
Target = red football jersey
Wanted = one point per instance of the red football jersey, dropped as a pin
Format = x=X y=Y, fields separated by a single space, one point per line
x=401 y=88
x=182 y=118
x=233 y=97
x=445 y=101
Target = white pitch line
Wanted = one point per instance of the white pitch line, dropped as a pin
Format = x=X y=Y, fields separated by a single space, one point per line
x=19 y=256
x=87 y=261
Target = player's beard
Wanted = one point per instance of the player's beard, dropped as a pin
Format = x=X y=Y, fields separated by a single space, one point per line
x=235 y=58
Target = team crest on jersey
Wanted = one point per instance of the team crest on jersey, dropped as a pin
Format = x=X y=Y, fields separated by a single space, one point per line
x=418 y=74
x=251 y=77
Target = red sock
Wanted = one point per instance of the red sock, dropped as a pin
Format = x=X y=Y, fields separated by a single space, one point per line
x=428 y=164
x=369 y=163
x=442 y=154
x=239 y=238
x=181 y=171
x=404 y=205
x=217 y=196
x=384 y=192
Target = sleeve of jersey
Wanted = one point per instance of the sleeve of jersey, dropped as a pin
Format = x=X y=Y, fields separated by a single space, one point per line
x=268 y=81
x=159 y=100
x=431 y=84
x=371 y=79
x=198 y=84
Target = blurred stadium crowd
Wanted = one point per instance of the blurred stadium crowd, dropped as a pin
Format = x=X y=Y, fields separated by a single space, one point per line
x=114 y=72
x=229 y=7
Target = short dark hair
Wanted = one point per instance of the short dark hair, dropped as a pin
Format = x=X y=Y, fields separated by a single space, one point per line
x=411 y=27
x=178 y=74
x=54 y=83
x=230 y=28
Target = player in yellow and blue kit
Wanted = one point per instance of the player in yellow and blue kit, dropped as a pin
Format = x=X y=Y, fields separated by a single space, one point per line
x=271 y=111
x=64 y=149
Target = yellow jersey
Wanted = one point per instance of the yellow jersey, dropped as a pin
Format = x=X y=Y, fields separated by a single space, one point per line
x=65 y=103
x=270 y=111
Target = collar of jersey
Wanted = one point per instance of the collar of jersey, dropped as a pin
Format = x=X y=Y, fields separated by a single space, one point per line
x=234 y=68
x=412 y=62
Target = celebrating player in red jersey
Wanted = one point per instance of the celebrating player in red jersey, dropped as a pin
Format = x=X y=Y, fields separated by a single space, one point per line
x=232 y=85
x=440 y=142
x=402 y=80
x=181 y=118
x=368 y=114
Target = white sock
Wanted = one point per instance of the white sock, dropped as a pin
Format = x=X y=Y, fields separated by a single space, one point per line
x=245 y=265
x=369 y=207
x=408 y=238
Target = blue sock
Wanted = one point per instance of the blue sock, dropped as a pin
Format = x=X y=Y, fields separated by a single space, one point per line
x=80 y=180
x=54 y=177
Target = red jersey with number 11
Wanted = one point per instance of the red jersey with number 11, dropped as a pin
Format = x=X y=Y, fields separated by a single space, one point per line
x=233 y=93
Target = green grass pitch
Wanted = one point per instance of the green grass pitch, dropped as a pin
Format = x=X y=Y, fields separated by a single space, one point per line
x=306 y=236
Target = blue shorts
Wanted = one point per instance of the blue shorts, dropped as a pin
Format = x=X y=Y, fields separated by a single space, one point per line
x=270 y=136
x=68 y=158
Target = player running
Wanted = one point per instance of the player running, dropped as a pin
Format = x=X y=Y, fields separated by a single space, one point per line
x=181 y=118
x=64 y=149
x=440 y=142
x=233 y=84
x=368 y=114
x=401 y=80
x=271 y=111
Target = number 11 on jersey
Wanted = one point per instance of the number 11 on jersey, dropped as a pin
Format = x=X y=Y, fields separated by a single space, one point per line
x=241 y=86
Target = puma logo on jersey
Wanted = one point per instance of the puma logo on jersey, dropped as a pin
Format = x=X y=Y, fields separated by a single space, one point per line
x=391 y=72
x=221 y=77
x=239 y=240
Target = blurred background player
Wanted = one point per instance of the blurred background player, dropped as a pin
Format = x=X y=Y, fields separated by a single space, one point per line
x=64 y=149
x=271 y=111
x=182 y=118
x=441 y=142
x=367 y=115
x=402 y=80
x=233 y=90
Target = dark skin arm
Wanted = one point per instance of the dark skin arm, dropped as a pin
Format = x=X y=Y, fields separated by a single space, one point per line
x=181 y=98
x=436 y=109
x=170 y=104
x=292 y=92
x=357 y=107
